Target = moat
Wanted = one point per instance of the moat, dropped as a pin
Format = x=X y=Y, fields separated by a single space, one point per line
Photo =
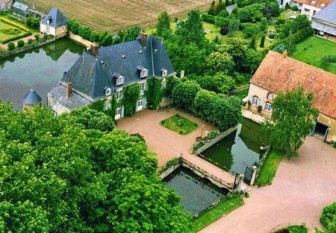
x=40 y=69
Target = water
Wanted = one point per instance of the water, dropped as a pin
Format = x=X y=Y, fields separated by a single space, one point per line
x=196 y=194
x=239 y=149
x=40 y=69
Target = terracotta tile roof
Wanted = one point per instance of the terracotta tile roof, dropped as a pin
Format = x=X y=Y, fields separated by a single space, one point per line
x=279 y=73
x=318 y=3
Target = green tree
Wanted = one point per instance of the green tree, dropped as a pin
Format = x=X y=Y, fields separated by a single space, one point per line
x=328 y=218
x=58 y=176
x=253 y=43
x=293 y=117
x=219 y=62
x=184 y=93
x=132 y=33
x=262 y=42
x=20 y=43
x=11 y=46
x=163 y=25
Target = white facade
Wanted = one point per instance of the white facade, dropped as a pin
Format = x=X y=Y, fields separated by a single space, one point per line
x=309 y=10
x=58 y=31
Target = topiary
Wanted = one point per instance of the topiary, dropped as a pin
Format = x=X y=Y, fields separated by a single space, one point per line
x=11 y=46
x=20 y=43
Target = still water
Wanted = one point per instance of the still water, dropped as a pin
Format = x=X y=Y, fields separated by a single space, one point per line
x=40 y=69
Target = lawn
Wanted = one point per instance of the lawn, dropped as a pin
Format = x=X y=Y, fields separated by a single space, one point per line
x=115 y=15
x=312 y=49
x=217 y=212
x=8 y=31
x=269 y=168
x=293 y=229
x=179 y=124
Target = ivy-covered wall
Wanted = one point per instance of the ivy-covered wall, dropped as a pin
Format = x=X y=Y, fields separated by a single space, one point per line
x=131 y=95
x=99 y=106
x=154 y=93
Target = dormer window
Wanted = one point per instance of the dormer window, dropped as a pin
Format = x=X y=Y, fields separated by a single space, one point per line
x=143 y=72
x=164 y=72
x=119 y=79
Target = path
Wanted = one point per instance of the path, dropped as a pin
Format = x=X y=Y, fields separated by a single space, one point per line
x=168 y=144
x=301 y=188
x=25 y=39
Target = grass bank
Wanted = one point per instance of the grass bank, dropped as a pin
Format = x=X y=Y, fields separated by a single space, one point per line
x=269 y=168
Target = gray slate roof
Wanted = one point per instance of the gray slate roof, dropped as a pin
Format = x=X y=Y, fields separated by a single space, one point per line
x=55 y=17
x=91 y=75
x=32 y=98
x=58 y=94
x=324 y=27
x=327 y=14
x=20 y=6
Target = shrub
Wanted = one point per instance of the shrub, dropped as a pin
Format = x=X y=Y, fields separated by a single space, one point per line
x=20 y=43
x=223 y=13
x=262 y=41
x=327 y=59
x=263 y=24
x=224 y=31
x=11 y=46
x=328 y=217
x=208 y=18
x=30 y=41
x=37 y=37
x=250 y=29
x=184 y=94
x=222 y=22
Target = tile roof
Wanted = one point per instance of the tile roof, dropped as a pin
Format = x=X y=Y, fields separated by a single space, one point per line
x=327 y=14
x=318 y=3
x=55 y=17
x=5 y=1
x=92 y=75
x=32 y=97
x=278 y=73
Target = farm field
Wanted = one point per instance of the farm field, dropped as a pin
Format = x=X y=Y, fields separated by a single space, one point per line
x=8 y=31
x=115 y=15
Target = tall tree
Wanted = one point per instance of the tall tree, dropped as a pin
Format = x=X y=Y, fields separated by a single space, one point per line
x=293 y=119
x=163 y=25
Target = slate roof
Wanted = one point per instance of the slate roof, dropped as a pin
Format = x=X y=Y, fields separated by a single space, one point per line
x=32 y=98
x=92 y=75
x=55 y=17
x=58 y=94
x=278 y=73
x=20 y=6
x=327 y=14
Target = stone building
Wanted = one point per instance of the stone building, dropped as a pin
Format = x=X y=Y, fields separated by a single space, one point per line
x=324 y=22
x=31 y=100
x=279 y=73
x=104 y=72
x=54 y=23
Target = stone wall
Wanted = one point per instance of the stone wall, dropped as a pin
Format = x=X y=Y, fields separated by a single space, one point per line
x=80 y=40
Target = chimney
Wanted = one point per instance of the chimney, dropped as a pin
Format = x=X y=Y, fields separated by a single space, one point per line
x=68 y=89
x=94 y=49
x=143 y=39
x=284 y=54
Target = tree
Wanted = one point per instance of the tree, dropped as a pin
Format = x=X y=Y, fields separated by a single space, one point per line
x=293 y=117
x=58 y=176
x=263 y=24
x=132 y=33
x=253 y=43
x=184 y=93
x=212 y=10
x=262 y=42
x=251 y=29
x=219 y=62
x=219 y=82
x=328 y=218
x=163 y=25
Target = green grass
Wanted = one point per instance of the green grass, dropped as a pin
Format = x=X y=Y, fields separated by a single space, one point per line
x=217 y=212
x=269 y=168
x=8 y=31
x=179 y=124
x=312 y=49
x=297 y=229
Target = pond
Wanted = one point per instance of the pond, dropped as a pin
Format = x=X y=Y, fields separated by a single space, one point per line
x=40 y=69
x=239 y=149
x=197 y=194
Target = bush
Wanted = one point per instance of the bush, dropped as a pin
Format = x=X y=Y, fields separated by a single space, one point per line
x=224 y=31
x=250 y=29
x=262 y=41
x=327 y=59
x=30 y=41
x=208 y=18
x=11 y=46
x=184 y=94
x=328 y=217
x=37 y=37
x=222 y=22
x=20 y=43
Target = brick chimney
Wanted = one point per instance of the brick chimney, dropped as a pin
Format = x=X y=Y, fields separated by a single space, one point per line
x=94 y=49
x=143 y=39
x=68 y=89
x=284 y=54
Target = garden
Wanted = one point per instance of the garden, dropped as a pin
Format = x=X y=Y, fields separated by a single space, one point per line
x=10 y=31
x=179 y=124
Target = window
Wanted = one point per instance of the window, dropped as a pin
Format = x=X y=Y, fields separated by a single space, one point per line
x=118 y=111
x=270 y=96
x=108 y=91
x=255 y=100
x=268 y=106
x=164 y=72
x=120 y=80
x=140 y=103
x=143 y=73
x=107 y=105
x=119 y=94
x=143 y=86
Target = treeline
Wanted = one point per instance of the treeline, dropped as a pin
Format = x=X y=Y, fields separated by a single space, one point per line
x=103 y=38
